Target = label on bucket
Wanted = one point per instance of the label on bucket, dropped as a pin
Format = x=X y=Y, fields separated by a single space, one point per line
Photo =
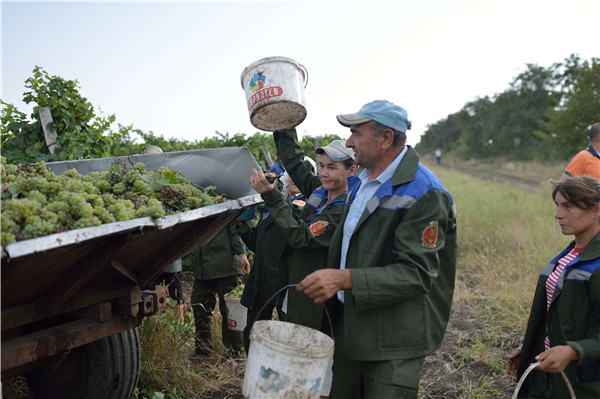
x=257 y=84
x=269 y=92
x=230 y=322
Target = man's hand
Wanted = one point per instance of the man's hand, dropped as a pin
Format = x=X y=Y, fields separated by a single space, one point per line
x=556 y=359
x=512 y=364
x=323 y=284
x=260 y=183
x=244 y=264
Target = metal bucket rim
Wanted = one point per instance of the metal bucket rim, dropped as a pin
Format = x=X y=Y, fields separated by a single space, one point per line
x=273 y=59
x=313 y=352
x=231 y=298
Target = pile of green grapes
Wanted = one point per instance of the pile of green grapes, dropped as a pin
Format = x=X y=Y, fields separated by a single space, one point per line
x=237 y=291
x=36 y=202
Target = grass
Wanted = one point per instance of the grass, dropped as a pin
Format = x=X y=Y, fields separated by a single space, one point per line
x=506 y=235
x=170 y=368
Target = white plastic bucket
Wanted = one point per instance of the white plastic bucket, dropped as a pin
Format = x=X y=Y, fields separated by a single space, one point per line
x=274 y=88
x=236 y=313
x=285 y=360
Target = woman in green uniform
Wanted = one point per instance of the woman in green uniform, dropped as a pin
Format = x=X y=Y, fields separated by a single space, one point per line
x=308 y=234
x=269 y=272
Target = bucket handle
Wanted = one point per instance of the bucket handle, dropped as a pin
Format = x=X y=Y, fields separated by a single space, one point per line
x=526 y=373
x=287 y=287
x=305 y=74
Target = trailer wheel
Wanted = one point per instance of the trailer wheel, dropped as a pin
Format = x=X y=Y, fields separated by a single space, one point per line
x=105 y=369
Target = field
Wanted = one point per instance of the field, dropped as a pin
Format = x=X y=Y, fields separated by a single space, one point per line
x=507 y=233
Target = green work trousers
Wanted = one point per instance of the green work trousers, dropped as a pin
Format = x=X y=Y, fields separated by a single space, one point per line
x=353 y=379
x=204 y=300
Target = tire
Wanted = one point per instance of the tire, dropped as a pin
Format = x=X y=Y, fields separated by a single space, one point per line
x=105 y=369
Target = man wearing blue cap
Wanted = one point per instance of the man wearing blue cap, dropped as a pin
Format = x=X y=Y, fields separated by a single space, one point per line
x=392 y=262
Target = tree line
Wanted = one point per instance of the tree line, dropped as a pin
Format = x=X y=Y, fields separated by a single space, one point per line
x=544 y=114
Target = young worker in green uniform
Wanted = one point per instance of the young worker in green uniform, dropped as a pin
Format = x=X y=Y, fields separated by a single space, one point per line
x=218 y=267
x=310 y=233
x=392 y=262
x=270 y=269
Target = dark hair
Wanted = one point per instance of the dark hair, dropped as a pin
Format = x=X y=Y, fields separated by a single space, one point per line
x=348 y=162
x=594 y=132
x=399 y=137
x=581 y=191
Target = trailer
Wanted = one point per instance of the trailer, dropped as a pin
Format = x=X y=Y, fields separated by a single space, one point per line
x=72 y=301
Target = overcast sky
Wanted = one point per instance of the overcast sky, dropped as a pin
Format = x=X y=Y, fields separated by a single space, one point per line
x=174 y=67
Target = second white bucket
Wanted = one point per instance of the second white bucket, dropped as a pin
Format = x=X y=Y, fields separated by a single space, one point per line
x=274 y=88
x=236 y=313
x=285 y=360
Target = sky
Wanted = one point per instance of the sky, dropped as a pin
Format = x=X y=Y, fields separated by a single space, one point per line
x=174 y=68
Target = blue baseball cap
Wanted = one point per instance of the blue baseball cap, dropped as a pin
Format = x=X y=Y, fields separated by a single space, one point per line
x=381 y=111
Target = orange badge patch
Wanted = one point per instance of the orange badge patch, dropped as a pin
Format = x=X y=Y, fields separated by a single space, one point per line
x=318 y=228
x=430 y=235
x=299 y=202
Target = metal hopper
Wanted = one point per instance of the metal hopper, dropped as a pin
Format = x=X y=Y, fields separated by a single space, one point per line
x=62 y=273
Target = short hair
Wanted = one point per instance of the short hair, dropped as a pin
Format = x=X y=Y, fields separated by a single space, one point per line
x=594 y=132
x=581 y=191
x=348 y=162
x=399 y=137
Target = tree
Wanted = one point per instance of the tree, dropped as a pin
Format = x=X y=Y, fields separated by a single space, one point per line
x=444 y=134
x=476 y=140
x=567 y=124
x=81 y=133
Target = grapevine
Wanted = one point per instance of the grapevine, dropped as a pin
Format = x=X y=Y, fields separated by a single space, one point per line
x=36 y=202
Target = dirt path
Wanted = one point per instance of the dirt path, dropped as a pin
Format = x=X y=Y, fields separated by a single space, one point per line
x=527 y=175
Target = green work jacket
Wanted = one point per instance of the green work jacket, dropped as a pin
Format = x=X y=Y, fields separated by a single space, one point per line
x=310 y=232
x=309 y=236
x=402 y=259
x=572 y=319
x=218 y=258
x=269 y=271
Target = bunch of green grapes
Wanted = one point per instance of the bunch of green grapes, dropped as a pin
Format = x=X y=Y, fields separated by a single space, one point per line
x=36 y=202
x=237 y=291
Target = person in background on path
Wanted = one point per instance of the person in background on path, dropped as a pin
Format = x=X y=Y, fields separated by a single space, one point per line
x=269 y=272
x=392 y=262
x=563 y=332
x=587 y=162
x=218 y=267
x=438 y=156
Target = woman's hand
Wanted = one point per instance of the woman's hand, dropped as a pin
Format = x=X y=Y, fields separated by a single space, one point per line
x=512 y=364
x=260 y=183
x=556 y=359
